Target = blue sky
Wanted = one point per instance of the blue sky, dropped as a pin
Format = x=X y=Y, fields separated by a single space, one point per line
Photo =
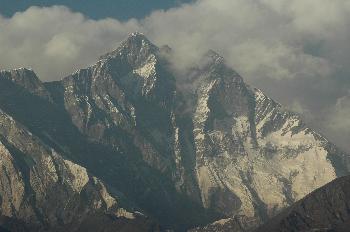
x=96 y=9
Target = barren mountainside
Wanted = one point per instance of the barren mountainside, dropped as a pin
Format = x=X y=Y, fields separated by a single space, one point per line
x=41 y=191
x=184 y=151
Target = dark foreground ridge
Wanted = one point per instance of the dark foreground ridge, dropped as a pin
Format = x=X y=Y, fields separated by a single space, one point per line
x=325 y=209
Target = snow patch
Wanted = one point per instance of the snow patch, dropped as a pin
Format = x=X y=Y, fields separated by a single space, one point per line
x=148 y=69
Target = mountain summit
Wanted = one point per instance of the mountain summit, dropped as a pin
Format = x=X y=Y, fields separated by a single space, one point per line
x=184 y=158
x=134 y=46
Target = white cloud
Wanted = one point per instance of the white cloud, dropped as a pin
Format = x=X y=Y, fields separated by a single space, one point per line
x=297 y=50
x=257 y=37
x=264 y=38
x=339 y=118
x=55 y=41
x=336 y=122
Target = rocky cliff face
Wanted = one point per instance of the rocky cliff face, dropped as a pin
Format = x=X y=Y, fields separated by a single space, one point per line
x=41 y=190
x=187 y=156
x=250 y=151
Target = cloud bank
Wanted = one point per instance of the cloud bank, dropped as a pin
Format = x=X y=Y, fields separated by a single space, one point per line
x=55 y=41
x=295 y=50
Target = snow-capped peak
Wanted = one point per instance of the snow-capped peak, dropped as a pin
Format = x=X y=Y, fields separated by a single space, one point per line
x=135 y=44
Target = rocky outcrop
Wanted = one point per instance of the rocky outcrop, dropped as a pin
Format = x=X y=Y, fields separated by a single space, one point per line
x=238 y=223
x=27 y=80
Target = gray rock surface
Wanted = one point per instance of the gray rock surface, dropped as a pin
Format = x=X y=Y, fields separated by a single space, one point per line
x=42 y=191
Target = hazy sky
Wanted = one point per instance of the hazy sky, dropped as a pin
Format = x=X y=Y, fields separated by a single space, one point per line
x=297 y=51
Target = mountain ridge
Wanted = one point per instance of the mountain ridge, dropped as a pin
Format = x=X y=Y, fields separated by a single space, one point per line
x=199 y=154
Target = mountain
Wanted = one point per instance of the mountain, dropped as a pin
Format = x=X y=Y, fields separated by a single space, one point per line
x=185 y=150
x=40 y=190
x=325 y=209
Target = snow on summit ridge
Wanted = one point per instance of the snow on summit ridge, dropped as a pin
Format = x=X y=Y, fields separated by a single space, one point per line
x=135 y=43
